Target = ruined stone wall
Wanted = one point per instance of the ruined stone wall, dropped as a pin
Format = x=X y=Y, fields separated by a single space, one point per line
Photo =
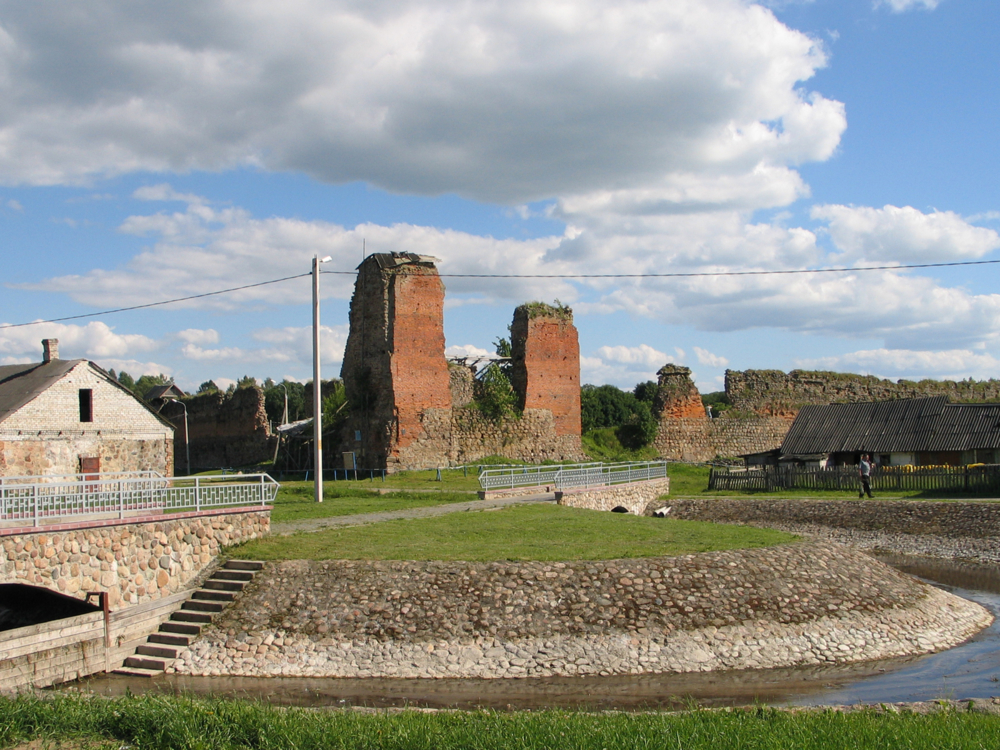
x=686 y=433
x=462 y=385
x=776 y=393
x=545 y=353
x=226 y=431
x=394 y=365
x=532 y=438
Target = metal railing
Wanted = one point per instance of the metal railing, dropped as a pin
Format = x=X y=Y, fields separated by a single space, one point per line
x=118 y=495
x=571 y=475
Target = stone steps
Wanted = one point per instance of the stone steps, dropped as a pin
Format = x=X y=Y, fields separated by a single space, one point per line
x=177 y=633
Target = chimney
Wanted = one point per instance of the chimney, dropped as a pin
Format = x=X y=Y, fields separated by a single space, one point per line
x=50 y=349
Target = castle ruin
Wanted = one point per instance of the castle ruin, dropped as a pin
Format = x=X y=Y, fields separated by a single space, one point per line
x=410 y=409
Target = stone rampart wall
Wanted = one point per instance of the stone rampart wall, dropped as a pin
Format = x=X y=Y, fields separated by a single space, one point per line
x=635 y=496
x=699 y=439
x=60 y=453
x=795 y=604
x=133 y=561
x=773 y=392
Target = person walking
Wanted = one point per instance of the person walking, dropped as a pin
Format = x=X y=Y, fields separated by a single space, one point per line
x=865 y=472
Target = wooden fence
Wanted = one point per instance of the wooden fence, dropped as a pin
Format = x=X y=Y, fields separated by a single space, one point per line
x=983 y=478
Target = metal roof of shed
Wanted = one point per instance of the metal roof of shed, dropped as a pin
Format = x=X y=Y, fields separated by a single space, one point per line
x=903 y=425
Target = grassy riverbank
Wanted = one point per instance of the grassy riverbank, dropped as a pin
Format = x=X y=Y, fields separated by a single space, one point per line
x=177 y=723
x=532 y=532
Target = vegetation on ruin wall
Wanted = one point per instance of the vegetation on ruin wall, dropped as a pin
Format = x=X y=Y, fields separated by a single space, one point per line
x=543 y=310
x=168 y=722
x=628 y=416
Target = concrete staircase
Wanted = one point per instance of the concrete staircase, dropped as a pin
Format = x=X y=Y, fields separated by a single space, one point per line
x=184 y=625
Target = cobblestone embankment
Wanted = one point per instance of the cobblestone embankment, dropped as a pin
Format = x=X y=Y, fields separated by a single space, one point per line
x=950 y=530
x=807 y=603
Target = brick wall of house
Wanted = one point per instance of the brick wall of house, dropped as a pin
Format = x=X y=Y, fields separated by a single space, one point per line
x=545 y=350
x=46 y=436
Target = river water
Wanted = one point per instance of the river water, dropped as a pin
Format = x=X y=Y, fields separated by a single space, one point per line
x=971 y=670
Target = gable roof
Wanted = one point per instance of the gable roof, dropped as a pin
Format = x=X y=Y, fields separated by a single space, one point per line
x=903 y=425
x=19 y=384
x=161 y=391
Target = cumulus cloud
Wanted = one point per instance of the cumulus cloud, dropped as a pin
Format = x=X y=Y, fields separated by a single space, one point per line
x=294 y=344
x=634 y=355
x=625 y=366
x=508 y=102
x=904 y=234
x=893 y=363
x=95 y=340
x=199 y=337
x=165 y=192
x=14 y=205
x=706 y=357
x=466 y=350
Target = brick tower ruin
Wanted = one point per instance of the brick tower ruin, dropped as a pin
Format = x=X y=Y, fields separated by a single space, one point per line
x=395 y=373
x=545 y=353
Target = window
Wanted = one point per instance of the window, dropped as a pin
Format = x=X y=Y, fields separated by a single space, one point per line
x=86 y=405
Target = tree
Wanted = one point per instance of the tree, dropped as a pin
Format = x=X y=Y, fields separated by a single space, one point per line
x=274 y=401
x=208 y=386
x=126 y=380
x=146 y=382
x=646 y=392
x=606 y=406
x=247 y=381
x=334 y=405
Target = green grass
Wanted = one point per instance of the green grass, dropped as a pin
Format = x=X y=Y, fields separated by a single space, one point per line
x=604 y=445
x=527 y=532
x=295 y=501
x=154 y=722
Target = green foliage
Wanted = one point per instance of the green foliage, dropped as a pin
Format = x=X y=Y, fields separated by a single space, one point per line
x=543 y=310
x=247 y=381
x=146 y=382
x=718 y=400
x=274 y=401
x=126 y=380
x=604 y=445
x=607 y=406
x=334 y=404
x=494 y=395
x=646 y=392
x=208 y=386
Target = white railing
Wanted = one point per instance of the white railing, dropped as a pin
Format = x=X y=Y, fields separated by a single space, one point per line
x=571 y=475
x=119 y=495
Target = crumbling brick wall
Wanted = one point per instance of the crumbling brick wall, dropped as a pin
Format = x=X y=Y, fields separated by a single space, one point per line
x=394 y=365
x=545 y=353
x=226 y=431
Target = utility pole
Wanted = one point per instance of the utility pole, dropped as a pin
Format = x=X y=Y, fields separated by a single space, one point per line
x=317 y=386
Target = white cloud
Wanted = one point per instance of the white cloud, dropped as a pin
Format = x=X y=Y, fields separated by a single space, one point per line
x=95 y=340
x=164 y=192
x=904 y=235
x=292 y=344
x=509 y=102
x=706 y=357
x=634 y=355
x=199 y=337
x=895 y=363
x=624 y=366
x=900 y=6
x=14 y=205
x=466 y=350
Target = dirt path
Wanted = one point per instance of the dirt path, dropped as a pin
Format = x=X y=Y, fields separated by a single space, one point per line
x=318 y=524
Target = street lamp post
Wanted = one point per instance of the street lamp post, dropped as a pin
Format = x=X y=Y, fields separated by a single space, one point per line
x=317 y=387
x=187 y=439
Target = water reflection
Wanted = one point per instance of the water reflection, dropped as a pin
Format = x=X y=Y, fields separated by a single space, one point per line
x=971 y=670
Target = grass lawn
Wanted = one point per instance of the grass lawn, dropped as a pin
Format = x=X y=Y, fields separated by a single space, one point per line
x=526 y=532
x=154 y=722
x=295 y=501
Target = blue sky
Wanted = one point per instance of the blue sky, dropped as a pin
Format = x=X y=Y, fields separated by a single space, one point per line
x=151 y=151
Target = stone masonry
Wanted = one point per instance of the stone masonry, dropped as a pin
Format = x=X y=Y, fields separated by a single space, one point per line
x=795 y=604
x=635 y=497
x=686 y=433
x=409 y=409
x=134 y=561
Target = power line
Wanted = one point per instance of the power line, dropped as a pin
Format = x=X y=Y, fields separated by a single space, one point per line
x=858 y=269
x=153 y=304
